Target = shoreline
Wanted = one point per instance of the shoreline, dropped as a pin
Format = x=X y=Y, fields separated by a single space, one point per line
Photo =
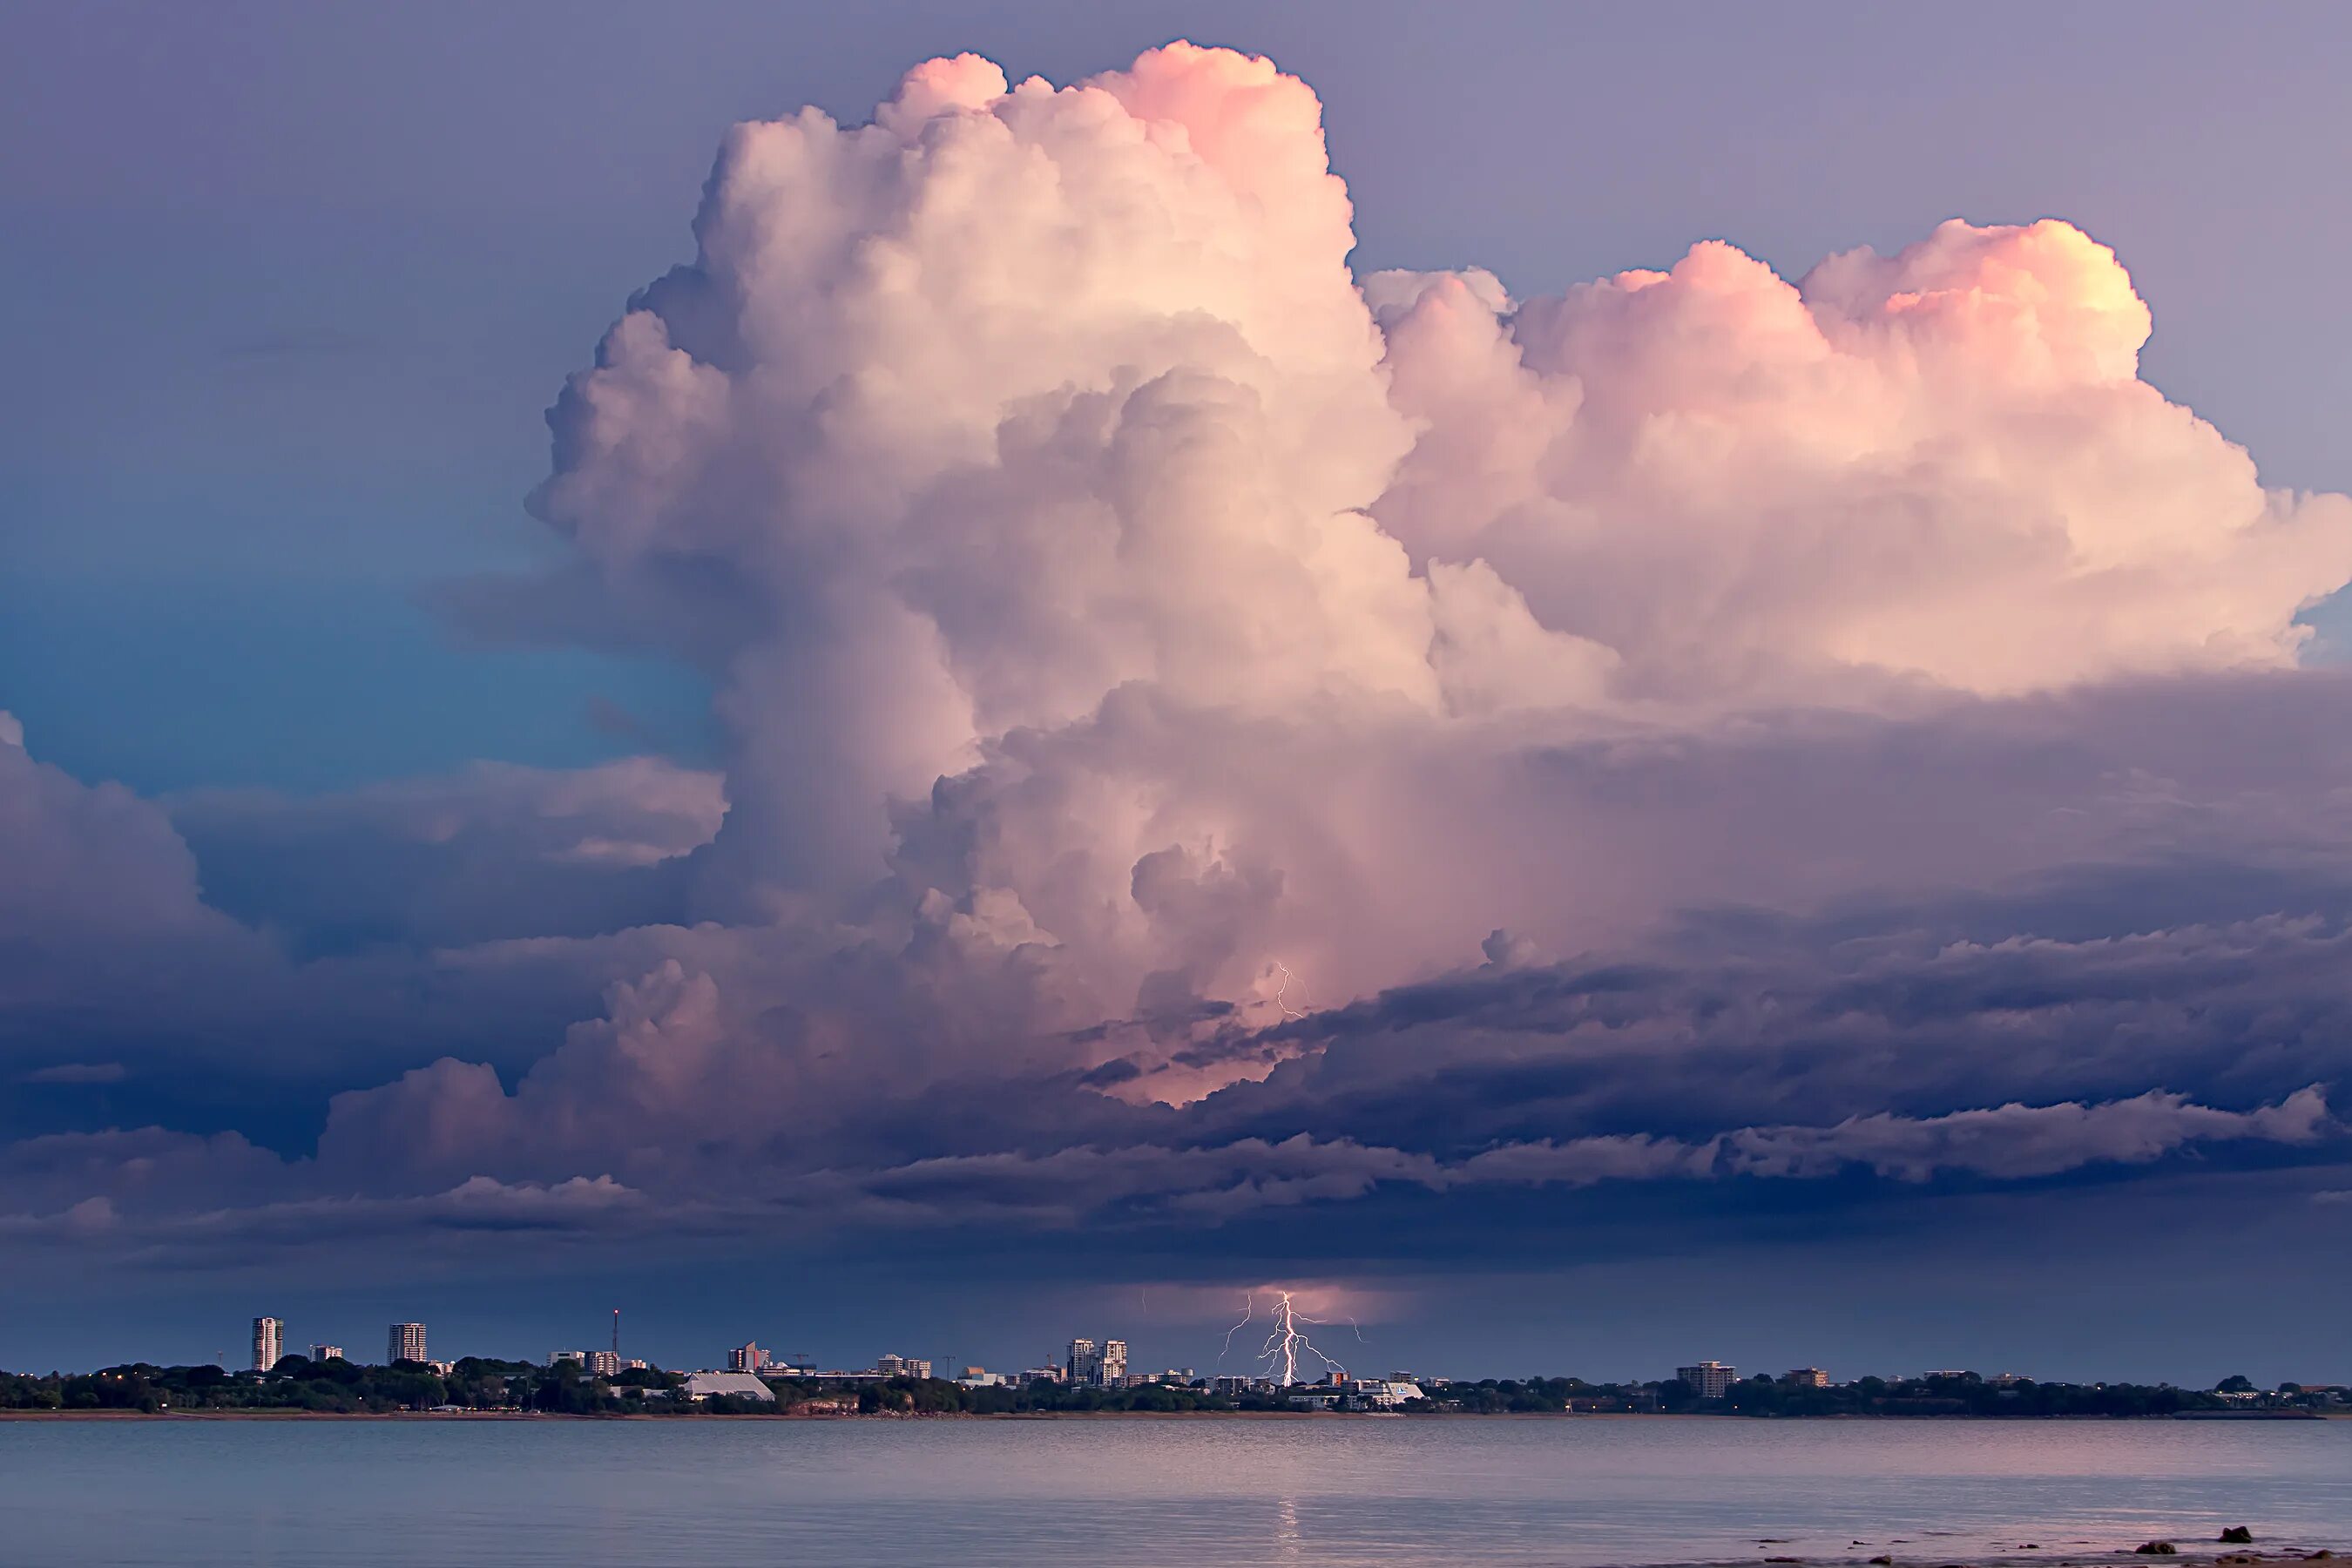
x=1296 y=1416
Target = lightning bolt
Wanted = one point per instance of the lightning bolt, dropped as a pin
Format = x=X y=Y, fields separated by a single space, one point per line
x=1249 y=1310
x=1286 y=1344
x=1282 y=994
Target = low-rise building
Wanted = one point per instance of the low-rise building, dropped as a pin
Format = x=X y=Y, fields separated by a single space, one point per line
x=1806 y=1377
x=577 y=1358
x=701 y=1385
x=1377 y=1393
x=327 y=1353
x=747 y=1358
x=605 y=1364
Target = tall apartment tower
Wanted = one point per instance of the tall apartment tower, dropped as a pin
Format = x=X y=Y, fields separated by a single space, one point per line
x=406 y=1343
x=1085 y=1362
x=269 y=1342
x=1114 y=1363
x=1709 y=1379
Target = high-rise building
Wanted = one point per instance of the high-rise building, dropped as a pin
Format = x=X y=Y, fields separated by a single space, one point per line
x=269 y=1342
x=1098 y=1365
x=1709 y=1379
x=747 y=1358
x=406 y=1342
x=605 y=1364
x=326 y=1352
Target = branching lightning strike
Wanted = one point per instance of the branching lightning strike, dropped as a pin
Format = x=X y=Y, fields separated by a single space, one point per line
x=1286 y=1345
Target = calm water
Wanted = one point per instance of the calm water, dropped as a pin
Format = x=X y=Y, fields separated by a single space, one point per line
x=1198 y=1493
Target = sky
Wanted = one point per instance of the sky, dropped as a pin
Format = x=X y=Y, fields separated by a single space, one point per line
x=1602 y=685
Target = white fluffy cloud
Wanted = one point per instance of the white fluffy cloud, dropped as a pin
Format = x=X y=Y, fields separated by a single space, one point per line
x=1939 y=466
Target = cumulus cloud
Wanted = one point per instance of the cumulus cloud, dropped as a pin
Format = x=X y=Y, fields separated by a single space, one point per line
x=103 y=921
x=1746 y=489
x=1857 y=721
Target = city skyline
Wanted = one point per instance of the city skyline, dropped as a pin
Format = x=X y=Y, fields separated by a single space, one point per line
x=1082 y=1361
x=943 y=684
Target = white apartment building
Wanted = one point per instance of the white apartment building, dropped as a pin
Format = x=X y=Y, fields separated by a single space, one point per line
x=1099 y=1366
x=605 y=1364
x=1711 y=1379
x=405 y=1343
x=269 y=1342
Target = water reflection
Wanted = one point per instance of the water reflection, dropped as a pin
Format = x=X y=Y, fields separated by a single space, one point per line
x=1195 y=1494
x=1287 y=1542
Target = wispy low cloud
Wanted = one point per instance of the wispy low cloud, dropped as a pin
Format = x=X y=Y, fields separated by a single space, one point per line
x=1087 y=1186
x=79 y=1072
x=2006 y=1143
x=2001 y=1143
x=476 y=1217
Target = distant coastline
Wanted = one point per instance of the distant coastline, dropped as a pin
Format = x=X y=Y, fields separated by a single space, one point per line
x=1314 y=1416
x=479 y=1387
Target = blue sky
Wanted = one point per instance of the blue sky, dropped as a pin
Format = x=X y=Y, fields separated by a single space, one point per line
x=1831 y=859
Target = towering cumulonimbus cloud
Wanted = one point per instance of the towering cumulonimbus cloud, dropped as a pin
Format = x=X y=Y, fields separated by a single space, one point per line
x=968 y=416
x=1064 y=523
x=1134 y=632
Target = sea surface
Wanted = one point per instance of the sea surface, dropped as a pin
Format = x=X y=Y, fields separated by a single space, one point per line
x=1200 y=1493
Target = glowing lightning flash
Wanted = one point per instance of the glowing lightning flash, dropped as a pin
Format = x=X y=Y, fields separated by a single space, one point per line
x=1282 y=998
x=1282 y=1348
